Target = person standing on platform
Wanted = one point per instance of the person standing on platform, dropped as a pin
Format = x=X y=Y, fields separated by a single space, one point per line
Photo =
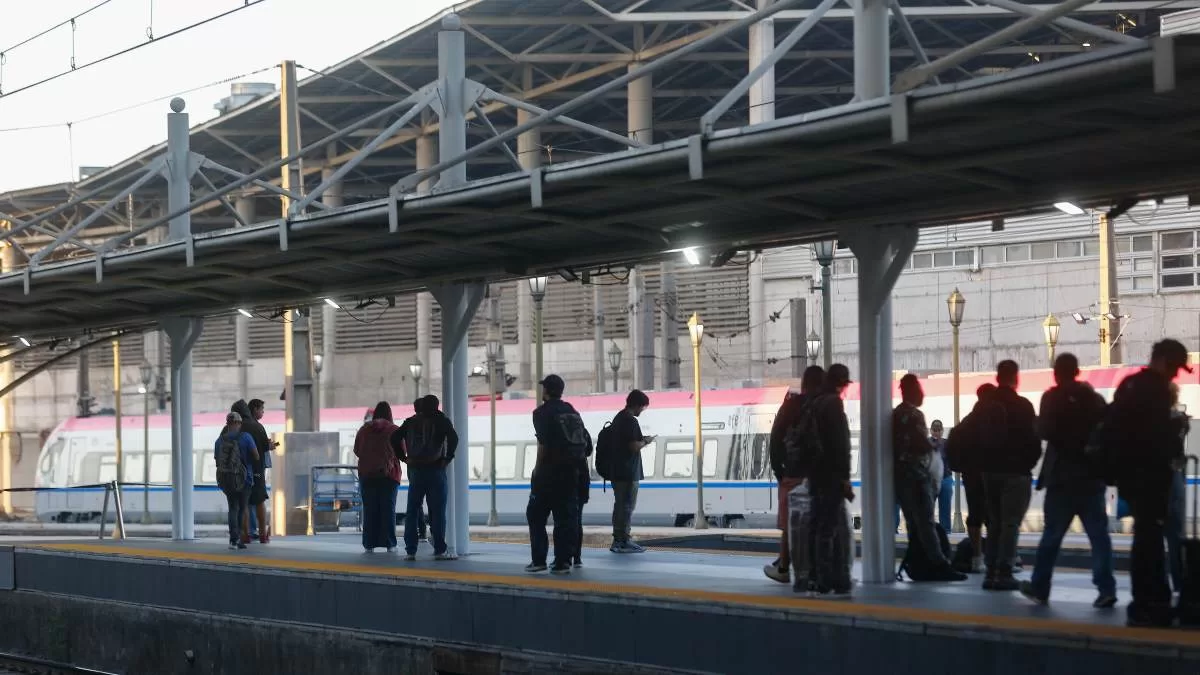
x=258 y=493
x=235 y=455
x=563 y=441
x=258 y=408
x=1142 y=446
x=829 y=483
x=1177 y=504
x=419 y=516
x=1069 y=413
x=429 y=444
x=945 y=495
x=963 y=452
x=626 y=469
x=788 y=477
x=1010 y=448
x=379 y=448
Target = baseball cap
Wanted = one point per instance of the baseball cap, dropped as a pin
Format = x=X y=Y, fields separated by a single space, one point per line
x=553 y=384
x=1173 y=352
x=233 y=418
x=838 y=375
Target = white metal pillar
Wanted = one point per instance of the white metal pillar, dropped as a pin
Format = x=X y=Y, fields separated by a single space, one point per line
x=183 y=332
x=458 y=301
x=762 y=109
x=427 y=152
x=598 y=342
x=668 y=326
x=332 y=197
x=529 y=153
x=8 y=406
x=244 y=204
x=640 y=120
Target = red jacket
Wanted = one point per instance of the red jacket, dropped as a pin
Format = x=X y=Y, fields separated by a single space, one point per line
x=375 y=452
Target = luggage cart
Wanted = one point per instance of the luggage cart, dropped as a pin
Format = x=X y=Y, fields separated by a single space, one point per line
x=334 y=489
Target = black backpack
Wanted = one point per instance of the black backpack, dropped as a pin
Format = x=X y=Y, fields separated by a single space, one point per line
x=803 y=449
x=422 y=442
x=605 y=453
x=917 y=565
x=574 y=439
x=231 y=470
x=1078 y=416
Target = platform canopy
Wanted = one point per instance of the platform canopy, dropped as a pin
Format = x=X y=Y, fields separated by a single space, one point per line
x=1067 y=111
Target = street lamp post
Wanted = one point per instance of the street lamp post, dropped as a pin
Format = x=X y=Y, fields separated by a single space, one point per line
x=493 y=352
x=823 y=250
x=813 y=347
x=120 y=450
x=147 y=373
x=318 y=361
x=1050 y=327
x=955 y=304
x=614 y=362
x=415 y=369
x=696 y=332
x=537 y=289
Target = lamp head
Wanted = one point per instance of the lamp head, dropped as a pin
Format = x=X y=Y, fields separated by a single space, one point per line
x=416 y=368
x=955 y=304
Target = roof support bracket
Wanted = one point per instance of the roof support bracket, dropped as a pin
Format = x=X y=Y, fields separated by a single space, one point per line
x=1164 y=65
x=100 y=267
x=536 y=177
x=394 y=211
x=695 y=154
x=900 y=121
x=189 y=245
x=26 y=277
x=283 y=234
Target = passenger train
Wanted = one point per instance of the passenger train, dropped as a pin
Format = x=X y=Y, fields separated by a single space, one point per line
x=739 y=489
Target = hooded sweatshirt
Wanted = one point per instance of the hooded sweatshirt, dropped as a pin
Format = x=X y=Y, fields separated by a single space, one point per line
x=252 y=426
x=376 y=452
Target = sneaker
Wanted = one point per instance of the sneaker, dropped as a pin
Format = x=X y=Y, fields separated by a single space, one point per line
x=1005 y=583
x=632 y=547
x=774 y=573
x=620 y=547
x=577 y=563
x=445 y=555
x=560 y=568
x=835 y=595
x=989 y=581
x=977 y=565
x=368 y=549
x=254 y=535
x=264 y=539
x=1030 y=592
x=410 y=556
x=1105 y=601
x=233 y=545
x=535 y=567
x=241 y=546
x=391 y=549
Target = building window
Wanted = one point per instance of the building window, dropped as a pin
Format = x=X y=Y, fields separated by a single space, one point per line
x=1178 y=259
x=1068 y=249
x=845 y=267
x=1017 y=253
x=964 y=257
x=922 y=261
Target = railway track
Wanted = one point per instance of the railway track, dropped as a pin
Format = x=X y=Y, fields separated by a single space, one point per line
x=29 y=665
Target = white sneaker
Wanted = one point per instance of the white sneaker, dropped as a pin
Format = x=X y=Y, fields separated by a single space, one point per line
x=775 y=574
x=535 y=567
x=368 y=549
x=445 y=556
x=391 y=549
x=977 y=564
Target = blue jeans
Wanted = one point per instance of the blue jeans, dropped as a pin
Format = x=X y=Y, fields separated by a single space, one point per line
x=379 y=513
x=253 y=521
x=1061 y=506
x=238 y=503
x=426 y=484
x=1176 y=514
x=944 y=500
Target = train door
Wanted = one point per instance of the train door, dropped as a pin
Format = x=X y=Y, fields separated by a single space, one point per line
x=760 y=489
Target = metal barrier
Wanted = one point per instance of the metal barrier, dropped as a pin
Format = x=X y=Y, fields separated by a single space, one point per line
x=334 y=488
x=113 y=489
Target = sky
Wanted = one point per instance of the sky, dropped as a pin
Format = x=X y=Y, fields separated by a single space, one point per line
x=314 y=33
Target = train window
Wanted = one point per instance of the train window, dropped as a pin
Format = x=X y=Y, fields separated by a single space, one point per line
x=208 y=472
x=529 y=460
x=133 y=468
x=649 y=454
x=678 y=459
x=710 y=457
x=506 y=462
x=52 y=458
x=108 y=470
x=478 y=453
x=160 y=467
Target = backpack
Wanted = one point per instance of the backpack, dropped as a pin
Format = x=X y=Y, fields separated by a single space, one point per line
x=231 y=470
x=605 y=452
x=917 y=565
x=803 y=449
x=574 y=440
x=422 y=442
x=1077 y=417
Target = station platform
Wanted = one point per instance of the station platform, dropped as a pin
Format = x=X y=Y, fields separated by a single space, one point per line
x=679 y=611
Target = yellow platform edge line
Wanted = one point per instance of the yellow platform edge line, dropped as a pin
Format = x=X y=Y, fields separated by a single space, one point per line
x=852 y=609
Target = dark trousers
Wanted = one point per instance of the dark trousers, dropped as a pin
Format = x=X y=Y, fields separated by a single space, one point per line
x=564 y=505
x=426 y=484
x=1061 y=506
x=580 y=503
x=914 y=491
x=1007 y=500
x=831 y=569
x=1148 y=500
x=379 y=513
x=238 y=503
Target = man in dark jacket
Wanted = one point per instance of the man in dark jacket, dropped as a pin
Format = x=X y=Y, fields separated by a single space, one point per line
x=429 y=445
x=918 y=474
x=1011 y=449
x=1069 y=412
x=963 y=450
x=829 y=484
x=786 y=476
x=258 y=492
x=1147 y=444
x=555 y=480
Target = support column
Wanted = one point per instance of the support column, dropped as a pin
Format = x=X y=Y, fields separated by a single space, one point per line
x=298 y=372
x=427 y=152
x=529 y=153
x=8 y=405
x=244 y=204
x=640 y=118
x=668 y=310
x=83 y=389
x=799 y=313
x=598 y=342
x=762 y=109
x=458 y=301
x=1110 y=329
x=332 y=197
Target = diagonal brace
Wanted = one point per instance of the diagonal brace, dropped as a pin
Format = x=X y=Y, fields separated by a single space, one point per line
x=910 y=36
x=482 y=114
x=490 y=95
x=1067 y=22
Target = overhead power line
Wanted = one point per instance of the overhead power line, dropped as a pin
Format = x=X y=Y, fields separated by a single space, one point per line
x=75 y=67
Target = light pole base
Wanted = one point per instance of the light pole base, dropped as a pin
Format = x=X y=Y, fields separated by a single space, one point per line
x=958 y=525
x=493 y=519
x=700 y=522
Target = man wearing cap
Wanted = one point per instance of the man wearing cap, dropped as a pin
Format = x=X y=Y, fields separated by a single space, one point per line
x=233 y=439
x=555 y=481
x=1146 y=446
